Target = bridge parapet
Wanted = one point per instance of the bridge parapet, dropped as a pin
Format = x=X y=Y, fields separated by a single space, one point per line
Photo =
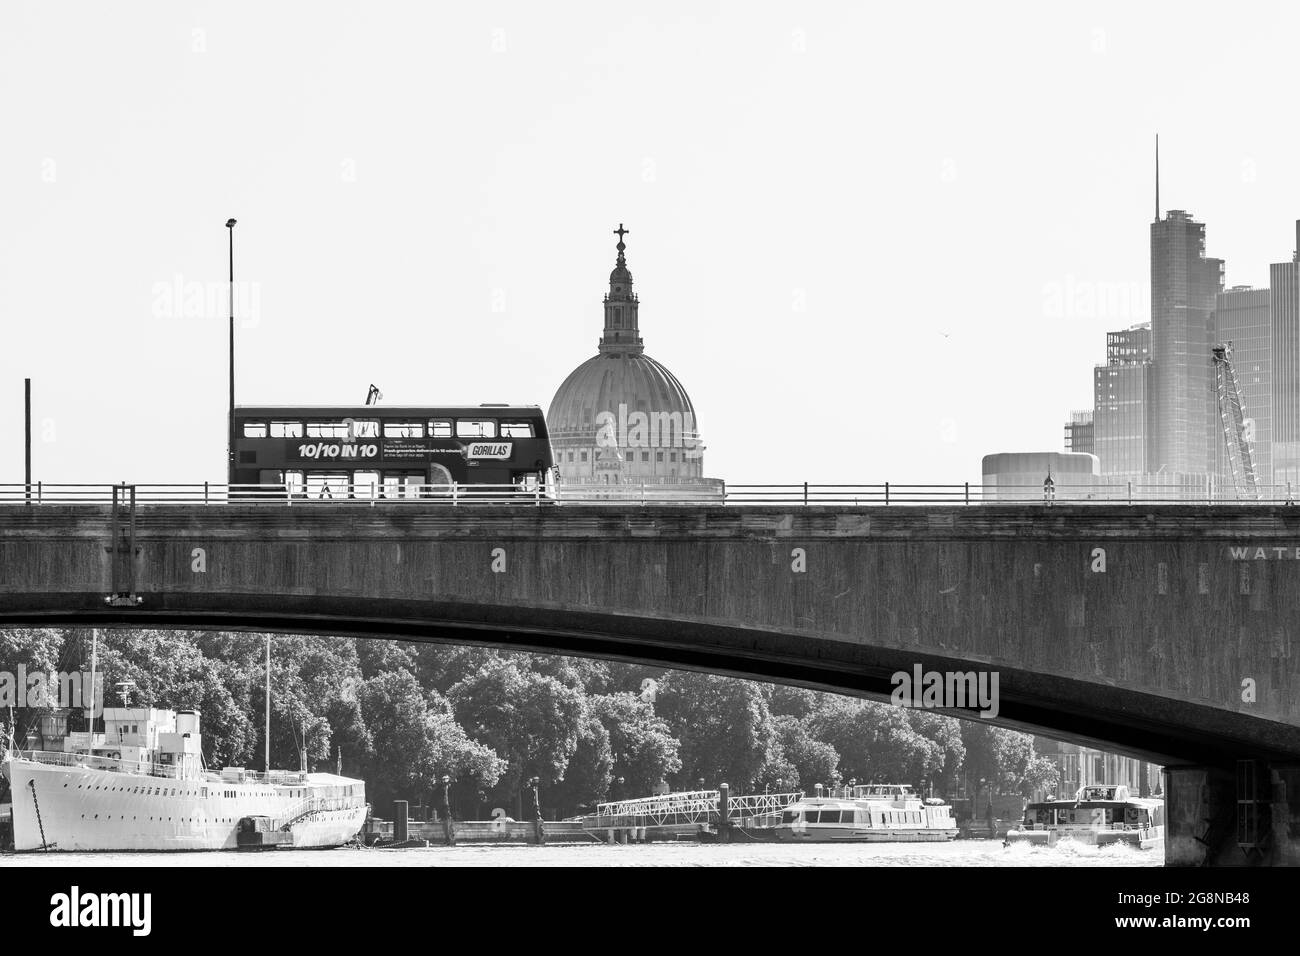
x=1164 y=631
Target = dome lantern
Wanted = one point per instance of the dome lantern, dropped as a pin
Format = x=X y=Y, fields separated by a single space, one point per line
x=622 y=333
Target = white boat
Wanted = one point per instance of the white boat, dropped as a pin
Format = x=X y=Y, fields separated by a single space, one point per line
x=141 y=785
x=1098 y=815
x=874 y=813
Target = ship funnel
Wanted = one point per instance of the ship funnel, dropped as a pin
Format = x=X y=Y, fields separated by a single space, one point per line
x=187 y=722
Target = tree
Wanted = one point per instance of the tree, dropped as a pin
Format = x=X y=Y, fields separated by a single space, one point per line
x=876 y=742
x=532 y=720
x=1006 y=759
x=644 y=751
x=587 y=776
x=946 y=733
x=414 y=746
x=809 y=761
x=799 y=702
x=723 y=725
x=41 y=650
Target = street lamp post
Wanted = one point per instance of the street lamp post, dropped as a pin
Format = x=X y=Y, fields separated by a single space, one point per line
x=230 y=437
x=448 y=828
x=539 y=829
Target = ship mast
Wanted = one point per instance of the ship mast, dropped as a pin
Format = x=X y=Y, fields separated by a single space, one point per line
x=267 y=732
x=94 y=651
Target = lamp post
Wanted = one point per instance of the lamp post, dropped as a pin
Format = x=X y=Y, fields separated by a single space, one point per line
x=27 y=438
x=230 y=438
x=448 y=828
x=539 y=829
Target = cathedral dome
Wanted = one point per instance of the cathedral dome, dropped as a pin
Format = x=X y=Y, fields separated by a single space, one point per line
x=621 y=416
x=609 y=382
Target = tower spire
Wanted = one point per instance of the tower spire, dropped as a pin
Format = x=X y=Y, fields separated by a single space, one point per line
x=622 y=334
x=1157 y=177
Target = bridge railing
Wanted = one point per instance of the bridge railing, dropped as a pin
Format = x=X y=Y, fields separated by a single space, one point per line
x=634 y=493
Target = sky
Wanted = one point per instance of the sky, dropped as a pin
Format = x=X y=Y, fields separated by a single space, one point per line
x=874 y=242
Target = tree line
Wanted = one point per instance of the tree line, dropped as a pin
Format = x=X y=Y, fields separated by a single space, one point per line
x=404 y=716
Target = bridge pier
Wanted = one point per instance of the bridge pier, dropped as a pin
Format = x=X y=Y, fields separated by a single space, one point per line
x=1246 y=816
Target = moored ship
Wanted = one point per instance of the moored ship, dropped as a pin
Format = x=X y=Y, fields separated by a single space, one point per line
x=1100 y=815
x=874 y=813
x=141 y=785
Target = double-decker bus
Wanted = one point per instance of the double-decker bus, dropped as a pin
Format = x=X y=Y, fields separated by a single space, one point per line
x=393 y=451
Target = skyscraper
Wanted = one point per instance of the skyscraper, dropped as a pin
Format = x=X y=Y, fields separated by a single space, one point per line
x=1078 y=432
x=1121 y=416
x=1284 y=306
x=1242 y=316
x=1184 y=284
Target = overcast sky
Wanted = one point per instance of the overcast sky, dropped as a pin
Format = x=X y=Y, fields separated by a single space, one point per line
x=875 y=242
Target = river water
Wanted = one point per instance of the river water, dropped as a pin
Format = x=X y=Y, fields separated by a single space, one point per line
x=957 y=853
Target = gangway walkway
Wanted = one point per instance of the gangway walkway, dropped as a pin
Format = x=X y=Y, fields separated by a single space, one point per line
x=691 y=810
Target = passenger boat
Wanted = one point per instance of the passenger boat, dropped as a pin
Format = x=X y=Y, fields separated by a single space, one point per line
x=1099 y=815
x=141 y=785
x=874 y=813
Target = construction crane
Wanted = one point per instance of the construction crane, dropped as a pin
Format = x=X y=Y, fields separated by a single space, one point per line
x=1235 y=440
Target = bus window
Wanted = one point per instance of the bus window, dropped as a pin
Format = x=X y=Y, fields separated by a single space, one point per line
x=516 y=429
x=269 y=476
x=476 y=428
x=286 y=429
x=254 y=429
x=440 y=428
x=327 y=484
x=327 y=430
x=349 y=429
x=403 y=430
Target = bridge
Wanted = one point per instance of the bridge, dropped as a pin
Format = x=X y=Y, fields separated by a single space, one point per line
x=1159 y=630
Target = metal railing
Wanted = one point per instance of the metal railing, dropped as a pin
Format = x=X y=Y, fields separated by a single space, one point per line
x=632 y=493
x=690 y=807
x=59 y=758
x=311 y=806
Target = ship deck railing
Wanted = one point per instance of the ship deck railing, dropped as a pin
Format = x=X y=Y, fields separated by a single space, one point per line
x=63 y=758
x=276 y=778
x=1084 y=826
x=72 y=758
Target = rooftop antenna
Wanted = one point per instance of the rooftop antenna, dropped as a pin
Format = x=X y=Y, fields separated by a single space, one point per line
x=124 y=688
x=1157 y=177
